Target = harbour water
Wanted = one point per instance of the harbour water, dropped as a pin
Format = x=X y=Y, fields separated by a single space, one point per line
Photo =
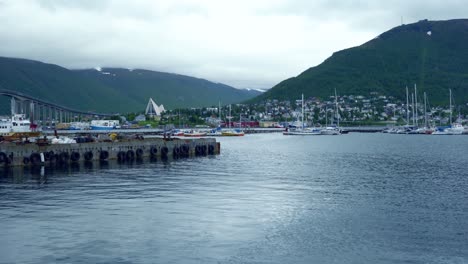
x=268 y=198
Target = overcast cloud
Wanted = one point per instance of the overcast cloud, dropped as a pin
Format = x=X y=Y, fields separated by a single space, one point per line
x=243 y=43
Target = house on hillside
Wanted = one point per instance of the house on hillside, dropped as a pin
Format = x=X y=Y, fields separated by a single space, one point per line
x=140 y=118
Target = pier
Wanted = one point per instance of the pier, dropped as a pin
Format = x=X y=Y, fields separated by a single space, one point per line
x=41 y=153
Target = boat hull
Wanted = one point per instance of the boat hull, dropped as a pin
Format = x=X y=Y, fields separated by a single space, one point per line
x=101 y=128
x=296 y=133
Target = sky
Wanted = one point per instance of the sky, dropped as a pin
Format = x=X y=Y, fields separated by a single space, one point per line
x=242 y=43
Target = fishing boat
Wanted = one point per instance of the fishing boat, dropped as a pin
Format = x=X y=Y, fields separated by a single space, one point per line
x=17 y=127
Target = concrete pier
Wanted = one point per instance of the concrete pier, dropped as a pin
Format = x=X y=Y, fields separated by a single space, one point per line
x=33 y=154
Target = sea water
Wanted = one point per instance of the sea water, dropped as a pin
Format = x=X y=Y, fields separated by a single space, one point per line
x=267 y=198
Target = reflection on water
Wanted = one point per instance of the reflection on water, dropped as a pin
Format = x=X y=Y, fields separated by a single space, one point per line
x=22 y=175
x=355 y=198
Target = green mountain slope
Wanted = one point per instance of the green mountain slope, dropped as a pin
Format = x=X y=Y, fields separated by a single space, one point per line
x=172 y=90
x=431 y=54
x=119 y=90
x=55 y=84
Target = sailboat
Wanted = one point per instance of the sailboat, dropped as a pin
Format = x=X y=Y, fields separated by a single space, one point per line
x=426 y=129
x=333 y=129
x=454 y=128
x=302 y=131
x=233 y=132
x=216 y=132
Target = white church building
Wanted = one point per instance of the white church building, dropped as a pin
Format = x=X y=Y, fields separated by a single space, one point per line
x=153 y=110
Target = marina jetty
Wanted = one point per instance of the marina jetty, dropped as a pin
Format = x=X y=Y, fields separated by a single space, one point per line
x=44 y=152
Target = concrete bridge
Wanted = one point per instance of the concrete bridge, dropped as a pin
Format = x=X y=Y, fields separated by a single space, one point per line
x=41 y=110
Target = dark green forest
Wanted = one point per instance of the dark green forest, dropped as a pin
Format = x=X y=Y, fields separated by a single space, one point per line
x=431 y=54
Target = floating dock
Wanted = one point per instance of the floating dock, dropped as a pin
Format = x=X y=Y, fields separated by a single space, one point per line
x=128 y=150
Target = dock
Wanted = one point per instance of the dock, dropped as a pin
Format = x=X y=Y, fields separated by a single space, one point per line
x=127 y=150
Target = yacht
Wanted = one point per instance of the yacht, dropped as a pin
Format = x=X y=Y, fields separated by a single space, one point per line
x=330 y=130
x=302 y=131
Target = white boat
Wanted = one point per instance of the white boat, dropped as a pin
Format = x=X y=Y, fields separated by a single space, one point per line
x=215 y=132
x=333 y=129
x=330 y=130
x=17 y=125
x=302 y=131
x=453 y=128
x=104 y=124
x=79 y=126
x=177 y=133
x=194 y=133
x=425 y=130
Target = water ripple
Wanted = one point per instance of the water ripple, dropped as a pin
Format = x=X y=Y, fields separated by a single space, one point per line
x=354 y=198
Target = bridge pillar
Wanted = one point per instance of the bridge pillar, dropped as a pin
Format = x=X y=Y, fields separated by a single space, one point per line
x=31 y=111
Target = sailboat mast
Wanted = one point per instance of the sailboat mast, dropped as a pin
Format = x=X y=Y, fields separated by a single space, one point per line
x=407 y=106
x=240 y=121
x=425 y=111
x=412 y=107
x=302 y=111
x=230 y=116
x=326 y=116
x=450 y=91
x=337 y=112
x=416 y=103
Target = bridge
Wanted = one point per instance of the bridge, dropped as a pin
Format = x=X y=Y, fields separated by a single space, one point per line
x=41 y=110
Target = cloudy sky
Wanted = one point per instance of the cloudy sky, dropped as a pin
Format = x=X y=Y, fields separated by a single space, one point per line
x=243 y=43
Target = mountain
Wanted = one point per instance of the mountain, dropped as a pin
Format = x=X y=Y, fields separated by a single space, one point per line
x=172 y=90
x=110 y=90
x=431 y=54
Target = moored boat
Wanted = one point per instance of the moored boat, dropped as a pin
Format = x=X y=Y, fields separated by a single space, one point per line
x=232 y=133
x=104 y=124
x=330 y=130
x=194 y=133
x=17 y=127
x=302 y=132
x=79 y=126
